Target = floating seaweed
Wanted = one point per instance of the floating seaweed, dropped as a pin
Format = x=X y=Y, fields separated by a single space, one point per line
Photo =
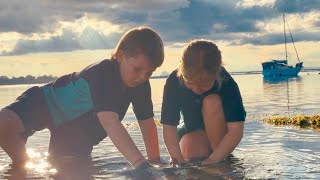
x=302 y=121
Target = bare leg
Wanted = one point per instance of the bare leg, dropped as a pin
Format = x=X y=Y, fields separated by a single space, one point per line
x=200 y=143
x=195 y=145
x=216 y=126
x=12 y=139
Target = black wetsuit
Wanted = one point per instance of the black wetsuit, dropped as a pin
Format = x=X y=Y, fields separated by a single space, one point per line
x=179 y=100
x=68 y=107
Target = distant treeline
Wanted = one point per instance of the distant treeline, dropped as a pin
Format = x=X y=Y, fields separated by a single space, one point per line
x=310 y=69
x=4 y=80
x=159 y=77
x=260 y=72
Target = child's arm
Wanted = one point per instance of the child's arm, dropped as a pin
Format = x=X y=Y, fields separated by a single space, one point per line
x=120 y=138
x=170 y=136
x=150 y=137
x=229 y=142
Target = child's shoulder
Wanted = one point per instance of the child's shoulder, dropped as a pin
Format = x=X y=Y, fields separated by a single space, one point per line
x=106 y=62
x=173 y=75
x=173 y=79
x=101 y=64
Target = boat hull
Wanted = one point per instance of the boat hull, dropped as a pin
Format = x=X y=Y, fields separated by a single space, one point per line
x=281 y=72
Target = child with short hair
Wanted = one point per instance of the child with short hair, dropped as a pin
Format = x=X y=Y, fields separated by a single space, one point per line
x=82 y=108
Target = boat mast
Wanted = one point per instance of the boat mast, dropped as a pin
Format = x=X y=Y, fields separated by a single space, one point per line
x=285 y=36
x=293 y=43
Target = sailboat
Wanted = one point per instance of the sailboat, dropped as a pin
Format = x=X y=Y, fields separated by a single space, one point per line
x=276 y=67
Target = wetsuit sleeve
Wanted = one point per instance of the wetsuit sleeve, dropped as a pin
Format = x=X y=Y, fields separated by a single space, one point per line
x=170 y=112
x=232 y=102
x=105 y=88
x=142 y=102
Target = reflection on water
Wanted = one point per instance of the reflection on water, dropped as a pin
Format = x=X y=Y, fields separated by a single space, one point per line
x=266 y=151
x=281 y=79
x=266 y=96
x=73 y=168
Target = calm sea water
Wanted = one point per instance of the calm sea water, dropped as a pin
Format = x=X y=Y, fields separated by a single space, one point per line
x=266 y=151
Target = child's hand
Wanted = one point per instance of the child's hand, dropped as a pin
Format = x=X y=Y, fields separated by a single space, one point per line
x=209 y=161
x=143 y=165
x=154 y=161
x=157 y=162
x=147 y=171
x=180 y=163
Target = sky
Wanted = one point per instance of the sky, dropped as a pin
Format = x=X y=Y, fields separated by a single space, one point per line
x=42 y=37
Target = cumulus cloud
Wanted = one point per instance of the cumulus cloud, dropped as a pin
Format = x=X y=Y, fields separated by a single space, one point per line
x=278 y=38
x=177 y=21
x=297 y=6
x=41 y=16
x=67 y=41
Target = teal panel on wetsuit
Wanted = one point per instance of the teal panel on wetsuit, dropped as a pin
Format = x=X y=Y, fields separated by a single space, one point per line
x=68 y=102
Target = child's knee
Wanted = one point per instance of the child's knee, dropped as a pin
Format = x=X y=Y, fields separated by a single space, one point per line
x=4 y=121
x=194 y=145
x=10 y=122
x=212 y=101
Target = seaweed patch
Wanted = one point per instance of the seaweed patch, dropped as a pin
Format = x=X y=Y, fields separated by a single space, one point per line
x=303 y=121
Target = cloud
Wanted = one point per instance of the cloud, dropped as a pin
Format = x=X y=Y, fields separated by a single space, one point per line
x=296 y=6
x=30 y=17
x=317 y=23
x=177 y=21
x=67 y=41
x=273 y=39
x=36 y=16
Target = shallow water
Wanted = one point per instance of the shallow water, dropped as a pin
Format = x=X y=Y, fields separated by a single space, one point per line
x=266 y=151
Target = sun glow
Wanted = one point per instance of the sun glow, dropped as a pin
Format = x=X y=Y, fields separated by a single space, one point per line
x=38 y=162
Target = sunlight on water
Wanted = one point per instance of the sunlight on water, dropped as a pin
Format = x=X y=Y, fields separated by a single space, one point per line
x=2 y=167
x=38 y=163
x=32 y=153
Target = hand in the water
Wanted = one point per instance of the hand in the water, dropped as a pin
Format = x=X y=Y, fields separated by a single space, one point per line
x=157 y=162
x=183 y=163
x=147 y=171
x=208 y=162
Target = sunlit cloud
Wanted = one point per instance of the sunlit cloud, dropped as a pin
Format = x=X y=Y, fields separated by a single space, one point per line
x=29 y=31
x=250 y=3
x=85 y=21
x=68 y=40
x=178 y=45
x=84 y=33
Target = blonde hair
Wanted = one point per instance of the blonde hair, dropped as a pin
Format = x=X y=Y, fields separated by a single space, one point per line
x=201 y=61
x=142 y=40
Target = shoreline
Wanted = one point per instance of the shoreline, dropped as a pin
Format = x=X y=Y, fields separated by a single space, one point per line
x=23 y=80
